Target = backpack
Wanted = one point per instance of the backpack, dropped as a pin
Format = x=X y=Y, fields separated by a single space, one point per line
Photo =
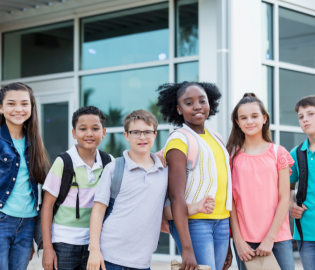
x=303 y=182
x=66 y=181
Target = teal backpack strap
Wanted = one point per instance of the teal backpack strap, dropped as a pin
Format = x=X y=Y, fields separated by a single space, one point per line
x=118 y=175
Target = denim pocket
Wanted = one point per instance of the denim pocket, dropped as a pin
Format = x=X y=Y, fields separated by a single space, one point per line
x=3 y=216
x=5 y=163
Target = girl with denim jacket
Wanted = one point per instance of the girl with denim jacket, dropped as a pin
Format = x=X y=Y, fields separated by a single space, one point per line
x=23 y=163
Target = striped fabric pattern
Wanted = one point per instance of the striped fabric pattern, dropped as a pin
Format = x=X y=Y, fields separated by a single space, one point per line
x=66 y=228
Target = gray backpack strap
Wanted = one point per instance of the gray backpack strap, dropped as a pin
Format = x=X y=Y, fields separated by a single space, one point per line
x=118 y=175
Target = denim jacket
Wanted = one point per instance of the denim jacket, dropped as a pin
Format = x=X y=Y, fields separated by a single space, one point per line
x=9 y=166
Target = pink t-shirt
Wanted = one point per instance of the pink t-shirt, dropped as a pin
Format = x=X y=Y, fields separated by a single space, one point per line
x=255 y=191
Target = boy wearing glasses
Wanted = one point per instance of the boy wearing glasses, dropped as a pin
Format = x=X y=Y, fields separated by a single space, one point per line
x=130 y=234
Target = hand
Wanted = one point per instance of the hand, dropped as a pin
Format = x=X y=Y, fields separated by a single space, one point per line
x=49 y=261
x=297 y=211
x=95 y=261
x=228 y=260
x=244 y=251
x=206 y=205
x=33 y=251
x=188 y=260
x=265 y=247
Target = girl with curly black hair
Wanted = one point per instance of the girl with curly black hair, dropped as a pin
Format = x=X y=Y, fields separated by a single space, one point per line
x=203 y=238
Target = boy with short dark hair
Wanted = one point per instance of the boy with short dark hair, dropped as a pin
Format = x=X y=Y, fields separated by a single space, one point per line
x=66 y=234
x=304 y=210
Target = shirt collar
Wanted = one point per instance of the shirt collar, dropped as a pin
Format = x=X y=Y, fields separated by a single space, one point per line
x=305 y=145
x=131 y=165
x=78 y=162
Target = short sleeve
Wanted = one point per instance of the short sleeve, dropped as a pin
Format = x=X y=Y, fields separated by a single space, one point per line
x=102 y=193
x=284 y=159
x=53 y=180
x=294 y=177
x=175 y=144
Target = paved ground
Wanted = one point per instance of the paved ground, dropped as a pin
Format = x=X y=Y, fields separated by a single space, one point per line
x=36 y=264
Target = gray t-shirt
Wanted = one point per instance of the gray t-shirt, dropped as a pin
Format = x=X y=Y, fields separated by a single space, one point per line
x=130 y=234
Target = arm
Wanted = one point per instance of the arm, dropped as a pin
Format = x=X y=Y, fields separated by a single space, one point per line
x=176 y=187
x=49 y=261
x=296 y=211
x=266 y=245
x=206 y=206
x=96 y=222
x=244 y=251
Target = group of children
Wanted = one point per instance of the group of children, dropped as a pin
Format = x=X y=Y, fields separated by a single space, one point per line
x=110 y=214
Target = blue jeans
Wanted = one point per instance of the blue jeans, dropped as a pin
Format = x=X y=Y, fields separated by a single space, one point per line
x=283 y=252
x=112 y=266
x=210 y=240
x=307 y=254
x=71 y=257
x=16 y=238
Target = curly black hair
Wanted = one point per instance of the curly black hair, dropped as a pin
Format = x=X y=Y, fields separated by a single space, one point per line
x=86 y=111
x=169 y=93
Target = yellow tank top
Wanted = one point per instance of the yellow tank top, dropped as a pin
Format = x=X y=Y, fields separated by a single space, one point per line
x=220 y=211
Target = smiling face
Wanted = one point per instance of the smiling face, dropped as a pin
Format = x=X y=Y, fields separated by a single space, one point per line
x=141 y=145
x=89 y=131
x=194 y=106
x=250 y=118
x=307 y=119
x=16 y=107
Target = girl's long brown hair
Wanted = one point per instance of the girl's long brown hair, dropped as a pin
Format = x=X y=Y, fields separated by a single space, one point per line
x=237 y=136
x=39 y=161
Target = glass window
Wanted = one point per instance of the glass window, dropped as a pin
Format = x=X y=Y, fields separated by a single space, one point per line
x=115 y=143
x=125 y=37
x=272 y=135
x=187 y=72
x=293 y=86
x=267 y=31
x=119 y=93
x=266 y=95
x=296 y=38
x=187 y=40
x=289 y=139
x=164 y=244
x=38 y=51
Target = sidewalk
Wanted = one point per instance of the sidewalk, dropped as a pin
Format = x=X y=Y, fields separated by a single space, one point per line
x=36 y=264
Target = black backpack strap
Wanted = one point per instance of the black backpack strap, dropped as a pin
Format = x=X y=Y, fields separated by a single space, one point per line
x=105 y=158
x=303 y=182
x=66 y=183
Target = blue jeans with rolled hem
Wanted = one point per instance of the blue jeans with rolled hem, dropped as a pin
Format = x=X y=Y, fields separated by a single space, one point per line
x=307 y=254
x=112 y=266
x=210 y=239
x=16 y=238
x=71 y=257
x=283 y=252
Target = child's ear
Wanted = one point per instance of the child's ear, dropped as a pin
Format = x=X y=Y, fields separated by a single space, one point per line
x=179 y=110
x=126 y=136
x=73 y=134
x=104 y=132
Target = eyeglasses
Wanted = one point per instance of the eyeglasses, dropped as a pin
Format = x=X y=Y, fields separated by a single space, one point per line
x=137 y=133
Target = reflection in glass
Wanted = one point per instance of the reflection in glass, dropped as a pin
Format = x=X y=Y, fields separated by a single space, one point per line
x=125 y=37
x=54 y=123
x=296 y=38
x=164 y=244
x=272 y=135
x=267 y=31
x=289 y=139
x=293 y=86
x=115 y=143
x=187 y=32
x=266 y=96
x=187 y=72
x=38 y=51
x=119 y=93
